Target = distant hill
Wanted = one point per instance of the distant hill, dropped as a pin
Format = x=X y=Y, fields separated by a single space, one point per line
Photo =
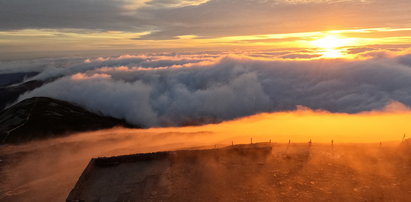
x=42 y=117
x=7 y=79
x=10 y=93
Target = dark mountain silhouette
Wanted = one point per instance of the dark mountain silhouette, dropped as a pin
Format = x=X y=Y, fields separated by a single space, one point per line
x=7 y=79
x=41 y=117
x=10 y=93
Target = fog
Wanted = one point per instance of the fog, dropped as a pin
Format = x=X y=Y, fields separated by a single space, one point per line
x=47 y=170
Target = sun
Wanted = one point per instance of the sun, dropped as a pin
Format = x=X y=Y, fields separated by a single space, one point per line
x=331 y=41
x=332 y=46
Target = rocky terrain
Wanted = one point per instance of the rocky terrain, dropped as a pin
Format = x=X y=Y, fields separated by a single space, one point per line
x=256 y=172
x=41 y=117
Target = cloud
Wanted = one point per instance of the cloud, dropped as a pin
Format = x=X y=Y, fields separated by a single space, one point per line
x=167 y=19
x=167 y=90
x=218 y=18
x=174 y=3
x=81 y=76
x=406 y=60
x=88 y=14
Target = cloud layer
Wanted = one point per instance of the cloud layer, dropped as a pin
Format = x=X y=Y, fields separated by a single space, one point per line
x=168 y=90
x=167 y=19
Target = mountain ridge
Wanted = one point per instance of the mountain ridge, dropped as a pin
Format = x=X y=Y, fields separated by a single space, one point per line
x=43 y=117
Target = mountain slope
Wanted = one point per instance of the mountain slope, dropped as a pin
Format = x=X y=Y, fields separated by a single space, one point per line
x=9 y=94
x=42 y=117
x=7 y=79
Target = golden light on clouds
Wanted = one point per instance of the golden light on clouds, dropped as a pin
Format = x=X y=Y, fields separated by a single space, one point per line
x=305 y=124
x=326 y=44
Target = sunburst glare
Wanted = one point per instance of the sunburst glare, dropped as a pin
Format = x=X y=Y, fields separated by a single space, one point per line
x=332 y=46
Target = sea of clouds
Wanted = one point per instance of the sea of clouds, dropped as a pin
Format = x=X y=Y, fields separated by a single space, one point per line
x=196 y=88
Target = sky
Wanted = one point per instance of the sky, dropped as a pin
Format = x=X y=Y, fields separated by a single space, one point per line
x=76 y=27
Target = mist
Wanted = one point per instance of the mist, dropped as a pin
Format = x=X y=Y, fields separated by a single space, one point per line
x=48 y=169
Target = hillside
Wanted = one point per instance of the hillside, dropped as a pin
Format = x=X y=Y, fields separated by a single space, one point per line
x=42 y=117
x=9 y=94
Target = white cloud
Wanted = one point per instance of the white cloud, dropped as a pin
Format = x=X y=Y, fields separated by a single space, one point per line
x=162 y=90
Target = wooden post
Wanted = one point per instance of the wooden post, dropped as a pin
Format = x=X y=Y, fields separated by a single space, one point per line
x=289 y=142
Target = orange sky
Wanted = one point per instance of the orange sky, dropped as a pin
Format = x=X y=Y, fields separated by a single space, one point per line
x=128 y=25
x=328 y=44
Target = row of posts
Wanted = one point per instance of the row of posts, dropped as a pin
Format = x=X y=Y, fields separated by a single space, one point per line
x=310 y=142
